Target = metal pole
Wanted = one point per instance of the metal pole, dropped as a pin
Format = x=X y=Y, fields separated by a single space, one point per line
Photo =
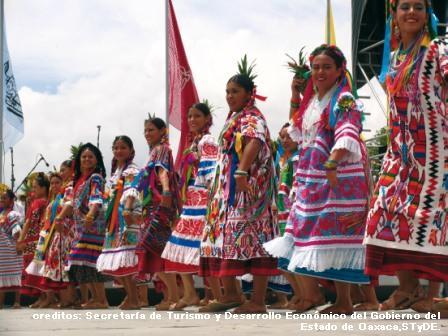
x=375 y=94
x=98 y=136
x=328 y=23
x=2 y=74
x=13 y=179
x=167 y=85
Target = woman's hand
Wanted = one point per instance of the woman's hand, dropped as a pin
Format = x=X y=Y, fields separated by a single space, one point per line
x=242 y=184
x=166 y=201
x=88 y=221
x=20 y=246
x=297 y=88
x=58 y=225
x=332 y=178
x=128 y=216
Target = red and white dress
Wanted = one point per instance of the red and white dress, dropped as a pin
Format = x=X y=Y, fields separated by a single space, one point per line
x=198 y=167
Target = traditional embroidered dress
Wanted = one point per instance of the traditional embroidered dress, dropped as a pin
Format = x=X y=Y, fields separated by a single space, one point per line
x=36 y=266
x=325 y=228
x=198 y=168
x=59 y=244
x=157 y=219
x=88 y=244
x=285 y=168
x=118 y=257
x=35 y=215
x=238 y=223
x=10 y=261
x=407 y=226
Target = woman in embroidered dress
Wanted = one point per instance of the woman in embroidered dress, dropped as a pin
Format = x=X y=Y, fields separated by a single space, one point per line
x=286 y=163
x=326 y=223
x=59 y=241
x=197 y=168
x=240 y=217
x=118 y=257
x=86 y=203
x=30 y=235
x=407 y=224
x=10 y=260
x=36 y=267
x=159 y=188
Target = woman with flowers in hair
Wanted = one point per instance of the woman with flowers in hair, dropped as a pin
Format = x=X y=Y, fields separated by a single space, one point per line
x=10 y=261
x=60 y=240
x=197 y=169
x=325 y=227
x=36 y=267
x=85 y=202
x=29 y=236
x=240 y=217
x=158 y=186
x=407 y=224
x=122 y=214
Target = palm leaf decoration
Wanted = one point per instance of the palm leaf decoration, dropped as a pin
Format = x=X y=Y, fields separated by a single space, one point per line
x=245 y=69
x=210 y=106
x=26 y=187
x=74 y=150
x=299 y=68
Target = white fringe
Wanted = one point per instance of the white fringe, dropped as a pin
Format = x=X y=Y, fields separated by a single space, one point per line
x=35 y=268
x=352 y=146
x=281 y=247
x=9 y=281
x=181 y=254
x=319 y=260
x=116 y=260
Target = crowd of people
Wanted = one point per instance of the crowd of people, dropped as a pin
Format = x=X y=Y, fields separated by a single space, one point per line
x=291 y=215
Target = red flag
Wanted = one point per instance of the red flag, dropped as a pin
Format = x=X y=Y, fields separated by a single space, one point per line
x=181 y=89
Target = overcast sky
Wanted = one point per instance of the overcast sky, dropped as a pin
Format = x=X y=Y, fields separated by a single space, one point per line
x=83 y=63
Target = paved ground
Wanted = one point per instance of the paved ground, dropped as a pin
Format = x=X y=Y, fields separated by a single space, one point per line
x=114 y=322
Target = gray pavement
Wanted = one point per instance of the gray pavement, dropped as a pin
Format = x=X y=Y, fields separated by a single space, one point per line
x=114 y=322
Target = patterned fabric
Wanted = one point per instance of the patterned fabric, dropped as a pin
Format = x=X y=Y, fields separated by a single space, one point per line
x=238 y=223
x=184 y=243
x=118 y=256
x=157 y=220
x=88 y=244
x=59 y=244
x=409 y=206
x=35 y=216
x=285 y=171
x=10 y=261
x=325 y=228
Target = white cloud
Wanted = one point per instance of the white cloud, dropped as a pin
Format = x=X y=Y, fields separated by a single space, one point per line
x=85 y=63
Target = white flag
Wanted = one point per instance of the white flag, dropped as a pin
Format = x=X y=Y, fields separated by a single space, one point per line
x=12 y=109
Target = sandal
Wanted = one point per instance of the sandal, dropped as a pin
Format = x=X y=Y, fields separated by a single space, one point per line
x=441 y=307
x=423 y=305
x=246 y=309
x=333 y=310
x=305 y=305
x=164 y=305
x=181 y=304
x=366 y=306
x=400 y=300
x=216 y=307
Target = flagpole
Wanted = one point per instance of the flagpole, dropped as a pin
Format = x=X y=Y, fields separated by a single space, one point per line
x=327 y=37
x=2 y=74
x=167 y=86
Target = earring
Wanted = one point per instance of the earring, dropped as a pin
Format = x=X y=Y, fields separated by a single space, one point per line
x=396 y=31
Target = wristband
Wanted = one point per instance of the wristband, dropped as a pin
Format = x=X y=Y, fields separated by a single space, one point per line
x=295 y=105
x=331 y=165
x=240 y=172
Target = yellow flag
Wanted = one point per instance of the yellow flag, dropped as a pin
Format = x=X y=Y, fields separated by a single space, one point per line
x=330 y=33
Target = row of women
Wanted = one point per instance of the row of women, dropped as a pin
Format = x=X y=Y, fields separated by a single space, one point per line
x=301 y=216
